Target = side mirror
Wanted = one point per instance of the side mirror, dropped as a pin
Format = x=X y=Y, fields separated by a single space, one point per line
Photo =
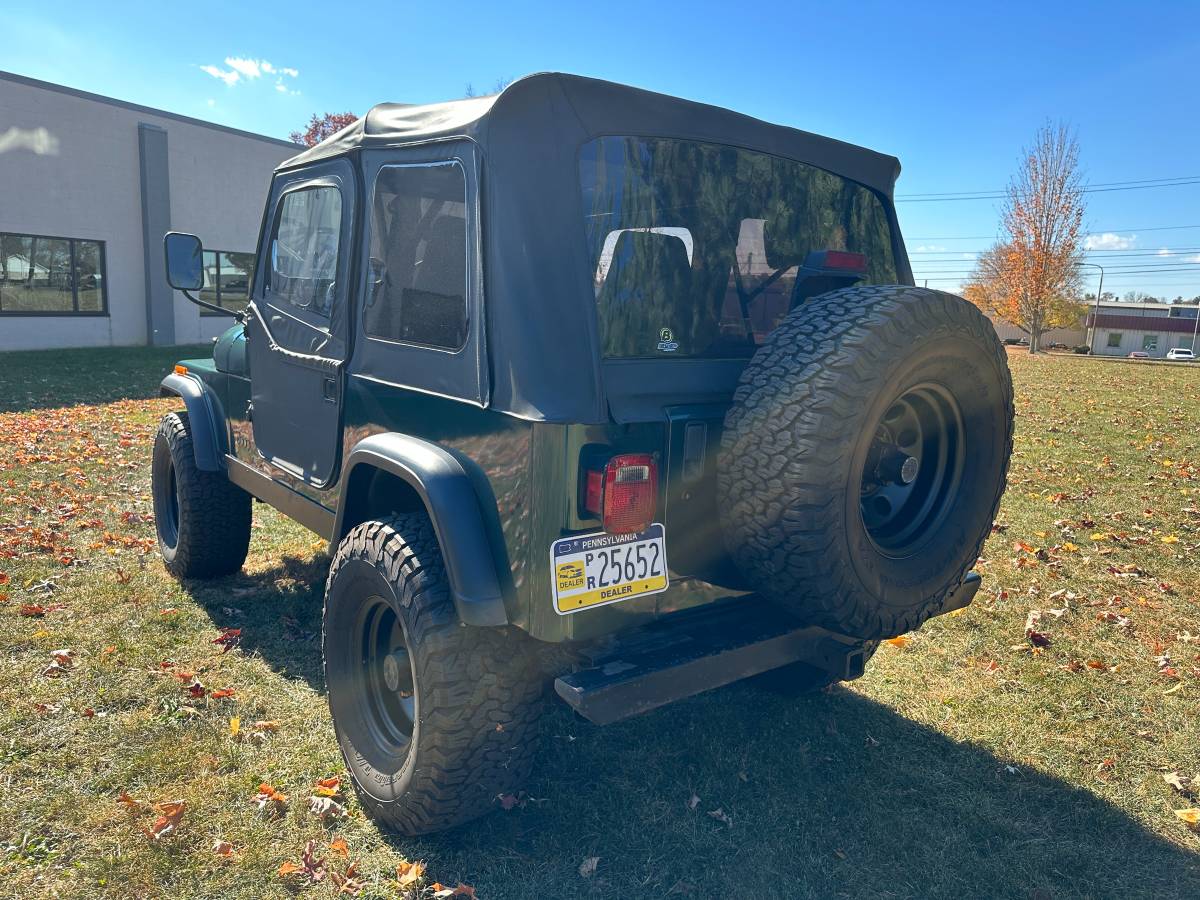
x=185 y=261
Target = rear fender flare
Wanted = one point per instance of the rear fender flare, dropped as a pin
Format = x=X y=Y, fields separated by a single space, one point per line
x=206 y=419
x=453 y=505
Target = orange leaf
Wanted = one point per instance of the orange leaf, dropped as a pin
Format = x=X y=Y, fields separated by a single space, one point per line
x=222 y=693
x=899 y=642
x=289 y=868
x=338 y=845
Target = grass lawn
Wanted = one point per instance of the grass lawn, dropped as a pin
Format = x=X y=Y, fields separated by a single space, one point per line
x=968 y=762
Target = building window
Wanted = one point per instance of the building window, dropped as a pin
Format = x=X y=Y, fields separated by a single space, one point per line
x=51 y=276
x=1150 y=343
x=227 y=279
x=1114 y=338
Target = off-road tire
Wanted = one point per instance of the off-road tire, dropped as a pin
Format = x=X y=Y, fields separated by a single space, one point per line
x=797 y=441
x=477 y=692
x=202 y=518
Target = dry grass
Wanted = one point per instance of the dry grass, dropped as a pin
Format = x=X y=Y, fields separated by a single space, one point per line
x=966 y=763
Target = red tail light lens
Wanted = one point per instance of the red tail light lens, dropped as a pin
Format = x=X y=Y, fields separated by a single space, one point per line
x=841 y=259
x=625 y=493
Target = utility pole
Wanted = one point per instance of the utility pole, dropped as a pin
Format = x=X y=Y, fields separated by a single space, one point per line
x=1096 y=313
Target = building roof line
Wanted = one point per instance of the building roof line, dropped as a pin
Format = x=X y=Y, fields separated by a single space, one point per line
x=137 y=107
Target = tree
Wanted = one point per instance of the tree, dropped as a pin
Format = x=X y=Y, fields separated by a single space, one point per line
x=321 y=127
x=1031 y=277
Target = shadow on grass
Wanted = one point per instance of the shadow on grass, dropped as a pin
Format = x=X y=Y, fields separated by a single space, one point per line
x=42 y=379
x=830 y=795
x=279 y=612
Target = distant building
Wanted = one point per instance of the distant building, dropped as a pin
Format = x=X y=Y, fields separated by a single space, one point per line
x=1152 y=328
x=1072 y=337
x=88 y=187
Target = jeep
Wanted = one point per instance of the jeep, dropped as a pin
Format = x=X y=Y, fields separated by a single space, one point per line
x=590 y=386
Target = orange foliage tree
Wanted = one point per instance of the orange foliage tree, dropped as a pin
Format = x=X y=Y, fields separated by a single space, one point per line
x=1030 y=277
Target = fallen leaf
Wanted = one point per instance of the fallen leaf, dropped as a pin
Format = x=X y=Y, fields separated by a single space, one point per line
x=309 y=866
x=1191 y=817
x=222 y=693
x=693 y=802
x=1177 y=781
x=338 y=845
x=269 y=801
x=128 y=801
x=222 y=848
x=235 y=726
x=326 y=808
x=409 y=873
x=587 y=868
x=169 y=815
x=720 y=815
x=899 y=642
x=228 y=638
x=507 y=801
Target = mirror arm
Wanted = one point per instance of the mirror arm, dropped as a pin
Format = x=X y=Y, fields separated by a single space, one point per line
x=207 y=305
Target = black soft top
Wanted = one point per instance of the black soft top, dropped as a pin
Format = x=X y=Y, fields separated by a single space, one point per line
x=566 y=109
x=543 y=355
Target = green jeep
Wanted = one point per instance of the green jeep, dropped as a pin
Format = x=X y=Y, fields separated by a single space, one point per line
x=585 y=385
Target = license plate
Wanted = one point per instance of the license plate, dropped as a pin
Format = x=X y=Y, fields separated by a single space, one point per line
x=597 y=569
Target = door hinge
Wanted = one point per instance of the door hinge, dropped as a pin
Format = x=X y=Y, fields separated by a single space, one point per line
x=329 y=390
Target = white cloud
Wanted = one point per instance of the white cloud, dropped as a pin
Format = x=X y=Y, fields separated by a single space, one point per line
x=1110 y=241
x=248 y=67
x=1164 y=252
x=1194 y=259
x=245 y=69
x=929 y=248
x=229 y=77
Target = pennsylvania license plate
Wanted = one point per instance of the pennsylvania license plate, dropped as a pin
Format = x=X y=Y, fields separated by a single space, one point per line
x=595 y=569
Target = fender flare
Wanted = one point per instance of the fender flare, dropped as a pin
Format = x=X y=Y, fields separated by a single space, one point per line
x=445 y=488
x=205 y=417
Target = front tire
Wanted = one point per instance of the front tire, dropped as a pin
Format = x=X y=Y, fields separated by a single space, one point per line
x=434 y=719
x=202 y=518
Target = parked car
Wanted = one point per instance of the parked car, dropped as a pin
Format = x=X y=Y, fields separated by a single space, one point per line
x=1181 y=354
x=1058 y=345
x=1139 y=354
x=494 y=355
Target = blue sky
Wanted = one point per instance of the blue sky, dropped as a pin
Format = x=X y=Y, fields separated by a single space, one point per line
x=954 y=90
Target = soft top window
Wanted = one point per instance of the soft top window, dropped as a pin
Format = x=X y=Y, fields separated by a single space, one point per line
x=695 y=248
x=418 y=265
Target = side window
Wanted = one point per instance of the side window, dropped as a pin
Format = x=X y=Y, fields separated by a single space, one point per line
x=418 y=268
x=304 y=249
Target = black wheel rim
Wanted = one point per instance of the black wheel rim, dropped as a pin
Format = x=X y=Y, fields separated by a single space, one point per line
x=166 y=511
x=381 y=672
x=913 y=469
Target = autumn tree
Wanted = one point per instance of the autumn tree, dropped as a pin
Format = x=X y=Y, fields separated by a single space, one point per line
x=321 y=127
x=1030 y=277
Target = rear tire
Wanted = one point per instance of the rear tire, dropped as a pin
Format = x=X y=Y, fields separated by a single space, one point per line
x=202 y=518
x=864 y=456
x=435 y=719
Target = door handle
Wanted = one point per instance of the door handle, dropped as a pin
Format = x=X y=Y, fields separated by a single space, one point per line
x=329 y=389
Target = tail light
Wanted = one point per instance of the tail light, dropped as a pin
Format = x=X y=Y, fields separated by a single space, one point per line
x=836 y=261
x=624 y=493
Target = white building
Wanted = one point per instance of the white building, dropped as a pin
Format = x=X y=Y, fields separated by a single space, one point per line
x=1150 y=328
x=88 y=187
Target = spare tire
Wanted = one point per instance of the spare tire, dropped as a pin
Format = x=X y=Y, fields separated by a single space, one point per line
x=864 y=456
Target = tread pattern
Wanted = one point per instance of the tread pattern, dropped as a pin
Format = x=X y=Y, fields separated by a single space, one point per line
x=479 y=690
x=214 y=513
x=784 y=463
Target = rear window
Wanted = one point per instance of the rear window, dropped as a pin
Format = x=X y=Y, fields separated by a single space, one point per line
x=695 y=248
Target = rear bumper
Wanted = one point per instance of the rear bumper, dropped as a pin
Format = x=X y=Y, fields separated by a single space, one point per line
x=709 y=647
